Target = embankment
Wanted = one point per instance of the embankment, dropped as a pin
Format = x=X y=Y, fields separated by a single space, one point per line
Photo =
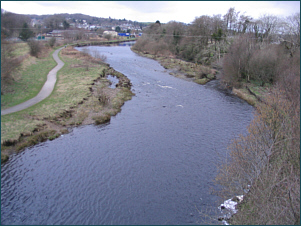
x=97 y=43
x=182 y=69
x=81 y=96
x=200 y=74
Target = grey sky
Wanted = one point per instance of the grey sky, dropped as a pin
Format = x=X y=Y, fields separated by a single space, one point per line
x=150 y=11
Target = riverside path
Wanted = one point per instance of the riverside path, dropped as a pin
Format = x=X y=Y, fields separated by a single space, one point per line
x=44 y=92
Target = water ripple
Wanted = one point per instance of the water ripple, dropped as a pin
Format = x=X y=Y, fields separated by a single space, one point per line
x=152 y=164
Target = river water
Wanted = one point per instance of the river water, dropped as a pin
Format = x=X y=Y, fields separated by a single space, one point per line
x=154 y=163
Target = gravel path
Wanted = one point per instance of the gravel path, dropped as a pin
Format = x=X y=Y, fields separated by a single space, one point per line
x=45 y=91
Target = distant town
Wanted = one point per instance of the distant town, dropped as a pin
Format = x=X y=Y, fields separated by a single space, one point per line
x=69 y=26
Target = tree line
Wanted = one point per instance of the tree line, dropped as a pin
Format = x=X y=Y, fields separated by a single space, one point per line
x=263 y=165
x=11 y=23
x=208 y=38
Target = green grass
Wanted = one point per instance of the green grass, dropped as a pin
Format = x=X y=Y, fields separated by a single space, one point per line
x=244 y=94
x=71 y=88
x=13 y=124
x=103 y=42
x=30 y=82
x=189 y=69
x=201 y=81
x=20 y=49
x=70 y=104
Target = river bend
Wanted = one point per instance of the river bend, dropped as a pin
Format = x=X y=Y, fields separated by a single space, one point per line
x=154 y=163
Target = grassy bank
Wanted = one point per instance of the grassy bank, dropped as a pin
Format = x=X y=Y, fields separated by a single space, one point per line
x=101 y=42
x=251 y=92
x=28 y=81
x=182 y=69
x=81 y=96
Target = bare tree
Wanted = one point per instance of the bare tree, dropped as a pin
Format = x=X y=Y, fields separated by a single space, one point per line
x=263 y=64
x=293 y=28
x=54 y=21
x=9 y=63
x=265 y=165
x=230 y=19
x=268 y=26
x=244 y=23
x=236 y=63
x=11 y=23
x=201 y=28
x=174 y=32
x=290 y=28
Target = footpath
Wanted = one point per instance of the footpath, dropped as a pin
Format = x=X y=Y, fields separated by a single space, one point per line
x=44 y=92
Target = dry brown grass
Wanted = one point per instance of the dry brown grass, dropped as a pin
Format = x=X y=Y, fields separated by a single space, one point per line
x=182 y=69
x=80 y=97
x=244 y=94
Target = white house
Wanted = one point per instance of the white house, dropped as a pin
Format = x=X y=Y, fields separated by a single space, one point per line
x=113 y=33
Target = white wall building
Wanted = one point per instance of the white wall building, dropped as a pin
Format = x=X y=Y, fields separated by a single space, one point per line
x=113 y=33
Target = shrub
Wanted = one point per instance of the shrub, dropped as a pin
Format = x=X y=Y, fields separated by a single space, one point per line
x=35 y=47
x=102 y=97
x=263 y=64
x=236 y=62
x=140 y=44
x=288 y=77
x=95 y=53
x=267 y=160
x=102 y=119
x=9 y=63
x=108 y=37
x=51 y=42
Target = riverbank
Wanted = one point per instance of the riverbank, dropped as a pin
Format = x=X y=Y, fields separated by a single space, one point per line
x=251 y=92
x=181 y=69
x=46 y=90
x=164 y=131
x=81 y=96
x=96 y=43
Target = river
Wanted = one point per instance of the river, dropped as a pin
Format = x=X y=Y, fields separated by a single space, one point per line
x=154 y=163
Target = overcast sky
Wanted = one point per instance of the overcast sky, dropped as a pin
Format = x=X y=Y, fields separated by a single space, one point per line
x=151 y=11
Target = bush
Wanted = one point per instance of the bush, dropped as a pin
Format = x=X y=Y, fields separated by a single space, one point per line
x=102 y=119
x=51 y=42
x=236 y=61
x=102 y=97
x=95 y=53
x=267 y=162
x=35 y=47
x=9 y=63
x=264 y=63
x=247 y=60
x=288 y=77
x=140 y=44
x=108 y=37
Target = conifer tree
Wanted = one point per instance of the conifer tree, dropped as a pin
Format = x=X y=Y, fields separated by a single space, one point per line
x=25 y=33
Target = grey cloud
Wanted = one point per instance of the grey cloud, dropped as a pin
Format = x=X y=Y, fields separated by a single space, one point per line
x=146 y=6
